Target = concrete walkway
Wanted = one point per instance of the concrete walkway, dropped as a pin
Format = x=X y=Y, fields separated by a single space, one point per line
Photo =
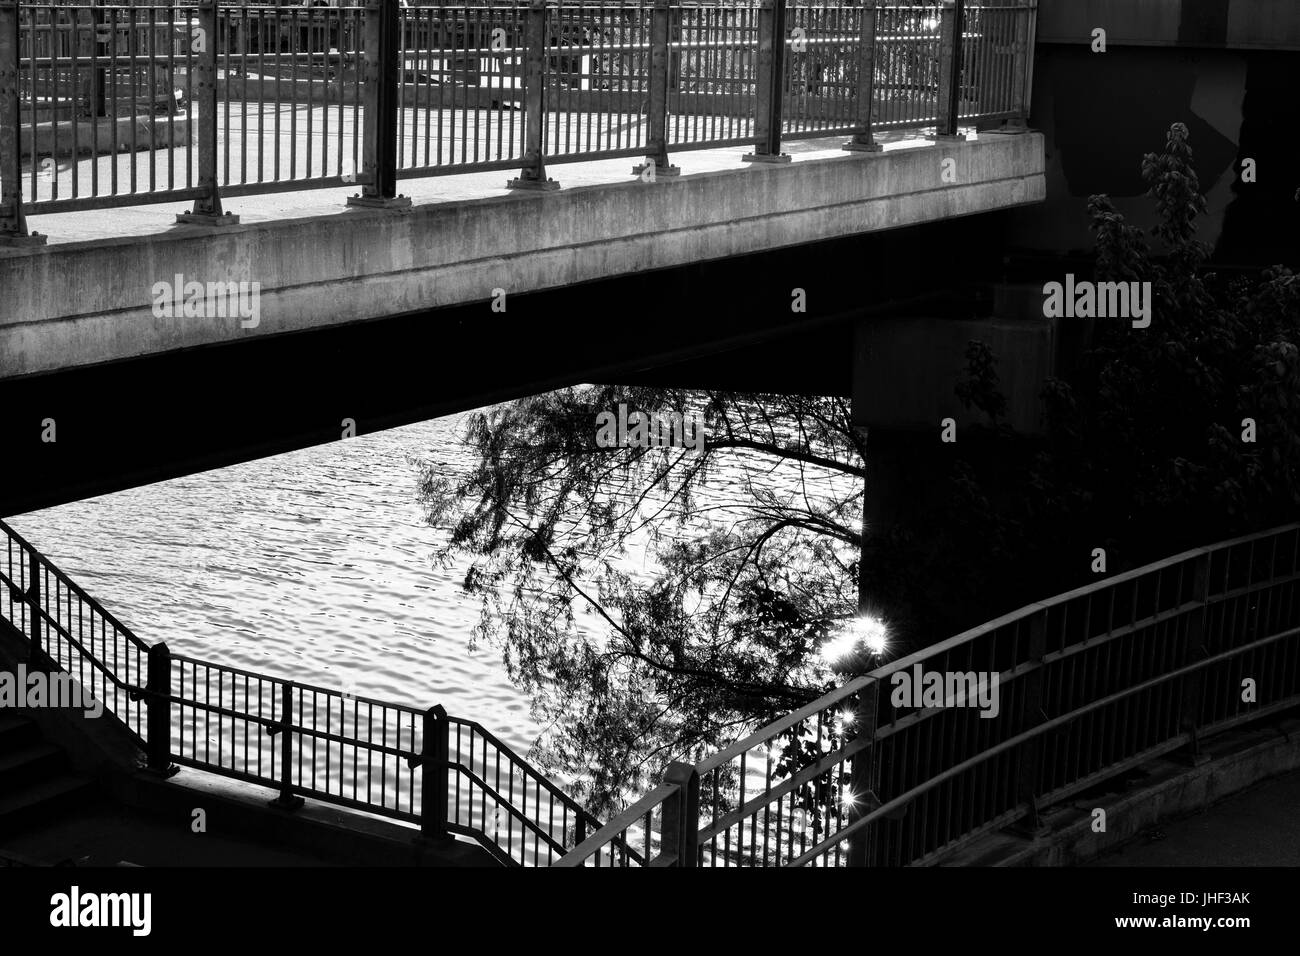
x=1258 y=827
x=148 y=219
x=109 y=835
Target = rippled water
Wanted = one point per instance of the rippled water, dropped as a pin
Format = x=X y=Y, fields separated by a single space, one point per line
x=313 y=565
x=316 y=566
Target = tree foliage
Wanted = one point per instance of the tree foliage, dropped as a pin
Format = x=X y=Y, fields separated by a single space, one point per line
x=654 y=604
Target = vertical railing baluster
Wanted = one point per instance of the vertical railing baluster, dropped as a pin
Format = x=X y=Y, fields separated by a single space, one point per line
x=1023 y=66
x=679 y=825
x=13 y=224
x=771 y=74
x=952 y=23
x=862 y=783
x=864 y=140
x=656 y=152
x=1194 y=689
x=533 y=173
x=1034 y=695
x=34 y=614
x=207 y=209
x=379 y=96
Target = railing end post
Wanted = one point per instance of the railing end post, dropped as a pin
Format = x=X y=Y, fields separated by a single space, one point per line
x=435 y=774
x=158 y=707
x=287 y=800
x=680 y=828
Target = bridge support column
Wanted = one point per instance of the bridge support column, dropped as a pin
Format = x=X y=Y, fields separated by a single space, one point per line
x=864 y=141
x=379 y=109
x=656 y=156
x=533 y=173
x=771 y=84
x=207 y=209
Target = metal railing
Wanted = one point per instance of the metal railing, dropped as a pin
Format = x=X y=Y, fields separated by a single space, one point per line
x=445 y=774
x=123 y=103
x=1089 y=684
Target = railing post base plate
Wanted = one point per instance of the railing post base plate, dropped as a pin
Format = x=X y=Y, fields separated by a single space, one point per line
x=286 y=803
x=765 y=158
x=207 y=219
x=8 y=240
x=946 y=137
x=855 y=147
x=1030 y=831
x=667 y=171
x=162 y=773
x=380 y=202
x=1014 y=125
x=537 y=185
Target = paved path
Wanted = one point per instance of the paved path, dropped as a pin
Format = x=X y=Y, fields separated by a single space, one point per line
x=1258 y=827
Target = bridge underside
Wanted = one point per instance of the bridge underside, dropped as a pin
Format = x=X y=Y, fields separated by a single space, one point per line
x=175 y=413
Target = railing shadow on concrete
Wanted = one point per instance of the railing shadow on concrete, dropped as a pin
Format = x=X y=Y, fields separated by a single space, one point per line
x=259 y=98
x=446 y=774
x=1089 y=684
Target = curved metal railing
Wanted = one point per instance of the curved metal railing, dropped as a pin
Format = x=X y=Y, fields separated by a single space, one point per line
x=1075 y=690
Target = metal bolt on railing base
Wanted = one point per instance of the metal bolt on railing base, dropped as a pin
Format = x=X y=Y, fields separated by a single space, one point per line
x=766 y=158
x=380 y=202
x=666 y=171
x=192 y=218
x=946 y=137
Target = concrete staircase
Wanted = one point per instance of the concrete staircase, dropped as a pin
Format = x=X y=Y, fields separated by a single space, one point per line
x=35 y=781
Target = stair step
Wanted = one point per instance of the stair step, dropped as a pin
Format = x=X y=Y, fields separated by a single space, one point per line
x=25 y=765
x=17 y=732
x=42 y=799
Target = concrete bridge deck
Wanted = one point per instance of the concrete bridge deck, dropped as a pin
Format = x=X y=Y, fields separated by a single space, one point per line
x=91 y=299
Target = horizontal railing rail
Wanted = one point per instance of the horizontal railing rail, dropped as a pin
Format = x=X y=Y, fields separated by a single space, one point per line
x=113 y=104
